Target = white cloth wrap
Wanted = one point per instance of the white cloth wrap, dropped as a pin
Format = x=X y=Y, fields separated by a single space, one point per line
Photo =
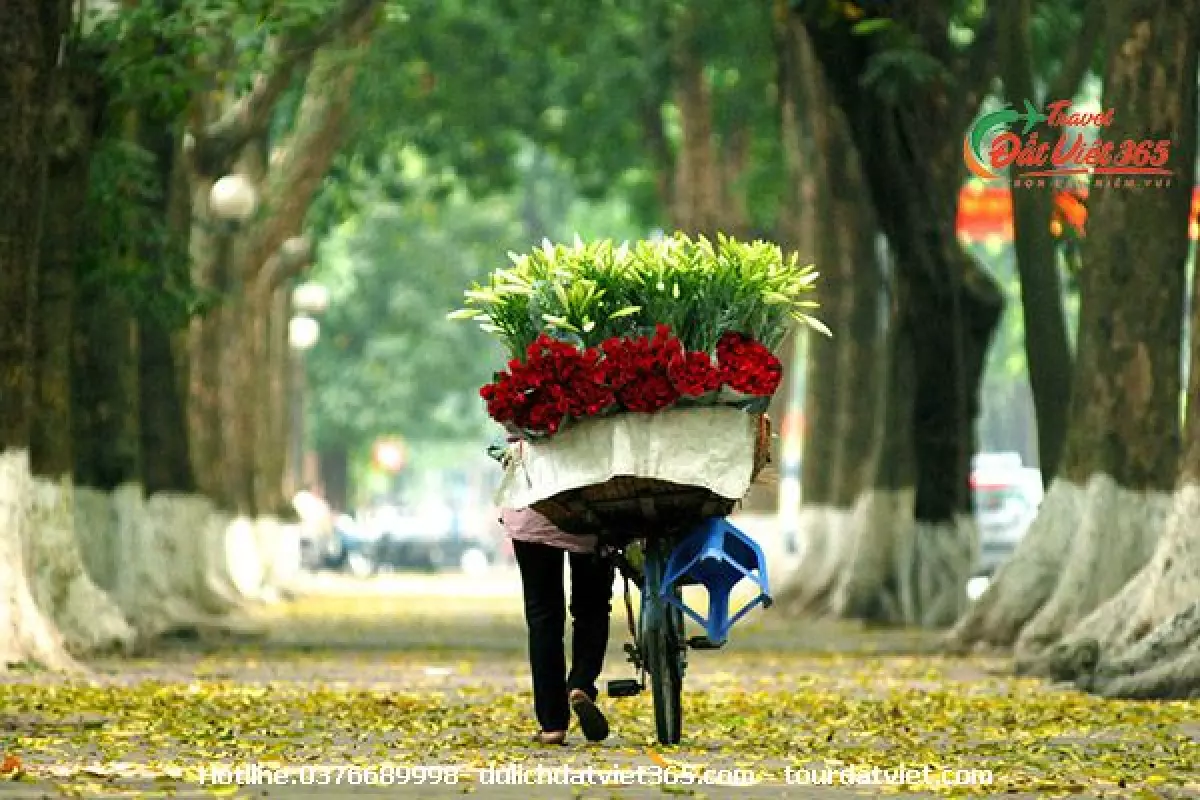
x=712 y=447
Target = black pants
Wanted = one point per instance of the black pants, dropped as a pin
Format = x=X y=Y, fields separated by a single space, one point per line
x=545 y=613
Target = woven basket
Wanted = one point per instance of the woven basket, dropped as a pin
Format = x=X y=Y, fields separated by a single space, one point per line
x=632 y=506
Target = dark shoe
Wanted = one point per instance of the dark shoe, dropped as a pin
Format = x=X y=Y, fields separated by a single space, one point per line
x=591 y=720
x=550 y=737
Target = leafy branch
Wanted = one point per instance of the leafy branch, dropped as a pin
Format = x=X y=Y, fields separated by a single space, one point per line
x=250 y=116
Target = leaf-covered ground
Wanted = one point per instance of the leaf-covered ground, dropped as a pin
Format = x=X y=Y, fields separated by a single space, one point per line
x=435 y=675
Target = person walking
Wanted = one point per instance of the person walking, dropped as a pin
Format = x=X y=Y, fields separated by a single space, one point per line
x=539 y=547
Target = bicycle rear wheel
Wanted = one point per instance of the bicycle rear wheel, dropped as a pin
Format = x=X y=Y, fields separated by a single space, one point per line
x=662 y=643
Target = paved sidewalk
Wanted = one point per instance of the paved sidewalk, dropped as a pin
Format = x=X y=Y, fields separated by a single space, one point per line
x=406 y=672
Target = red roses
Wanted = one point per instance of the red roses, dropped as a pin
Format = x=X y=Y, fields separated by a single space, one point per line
x=559 y=381
x=638 y=370
x=694 y=375
x=747 y=366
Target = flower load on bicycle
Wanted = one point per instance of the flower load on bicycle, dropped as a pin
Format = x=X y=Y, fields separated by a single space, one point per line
x=635 y=396
x=596 y=329
x=638 y=371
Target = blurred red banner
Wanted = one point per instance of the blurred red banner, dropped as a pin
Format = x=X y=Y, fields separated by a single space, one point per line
x=986 y=213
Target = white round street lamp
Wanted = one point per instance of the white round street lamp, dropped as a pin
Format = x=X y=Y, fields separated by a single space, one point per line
x=233 y=198
x=310 y=298
x=303 y=332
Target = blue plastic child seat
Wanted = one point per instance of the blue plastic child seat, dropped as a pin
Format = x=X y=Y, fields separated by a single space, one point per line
x=718 y=556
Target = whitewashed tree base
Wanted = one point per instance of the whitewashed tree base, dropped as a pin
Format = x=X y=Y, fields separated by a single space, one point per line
x=84 y=614
x=810 y=532
x=823 y=546
x=274 y=548
x=873 y=561
x=1114 y=540
x=247 y=569
x=933 y=562
x=153 y=563
x=1163 y=666
x=217 y=594
x=1025 y=582
x=279 y=546
x=26 y=634
x=870 y=534
x=162 y=559
x=185 y=520
x=1145 y=641
x=207 y=584
x=96 y=534
x=810 y=544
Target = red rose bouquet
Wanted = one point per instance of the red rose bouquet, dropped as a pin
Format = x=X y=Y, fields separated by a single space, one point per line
x=558 y=381
x=748 y=367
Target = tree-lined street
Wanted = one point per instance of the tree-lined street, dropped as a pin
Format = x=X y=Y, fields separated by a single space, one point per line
x=247 y=510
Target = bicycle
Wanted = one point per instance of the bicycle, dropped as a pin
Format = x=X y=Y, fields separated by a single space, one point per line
x=660 y=645
x=674 y=527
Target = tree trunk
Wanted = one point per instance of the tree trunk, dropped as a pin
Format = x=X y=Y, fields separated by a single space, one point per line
x=167 y=464
x=798 y=89
x=166 y=458
x=797 y=231
x=263 y=483
x=911 y=161
x=85 y=615
x=1123 y=440
x=241 y=354
x=874 y=584
x=289 y=186
x=944 y=542
x=228 y=351
x=1144 y=642
x=697 y=193
x=807 y=121
x=848 y=246
x=272 y=423
x=30 y=36
x=104 y=382
x=1047 y=348
x=209 y=253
